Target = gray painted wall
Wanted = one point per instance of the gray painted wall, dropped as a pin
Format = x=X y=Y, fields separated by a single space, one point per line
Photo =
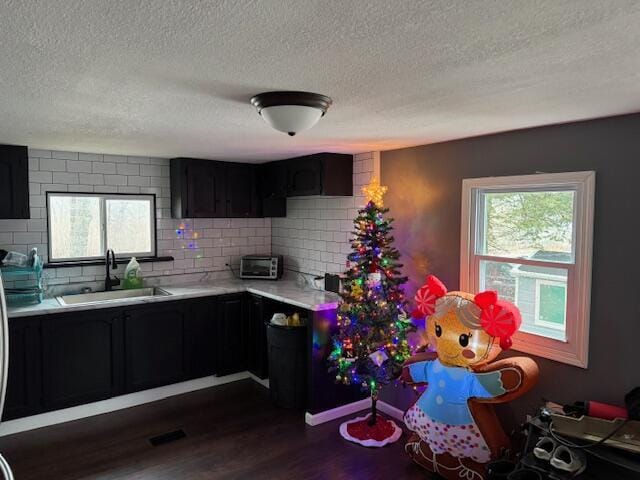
x=425 y=195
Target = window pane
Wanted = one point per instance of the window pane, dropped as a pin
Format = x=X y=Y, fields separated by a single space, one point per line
x=552 y=299
x=129 y=225
x=74 y=227
x=536 y=224
x=539 y=292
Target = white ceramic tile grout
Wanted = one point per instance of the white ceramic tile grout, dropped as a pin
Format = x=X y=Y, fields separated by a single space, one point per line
x=314 y=237
x=90 y=172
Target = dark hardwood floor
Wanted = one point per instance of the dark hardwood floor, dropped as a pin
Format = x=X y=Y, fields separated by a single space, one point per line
x=232 y=432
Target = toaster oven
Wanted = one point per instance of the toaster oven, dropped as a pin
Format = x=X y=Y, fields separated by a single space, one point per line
x=267 y=267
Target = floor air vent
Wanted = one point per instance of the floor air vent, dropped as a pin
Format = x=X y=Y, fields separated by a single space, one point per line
x=167 y=437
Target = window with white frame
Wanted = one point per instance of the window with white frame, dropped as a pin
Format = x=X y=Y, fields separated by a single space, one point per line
x=82 y=226
x=530 y=238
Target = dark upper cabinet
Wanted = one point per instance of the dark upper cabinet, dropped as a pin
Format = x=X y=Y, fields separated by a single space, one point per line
x=14 y=182
x=320 y=174
x=200 y=338
x=198 y=188
x=81 y=358
x=257 y=362
x=209 y=188
x=24 y=383
x=231 y=335
x=304 y=176
x=242 y=195
x=272 y=188
x=154 y=345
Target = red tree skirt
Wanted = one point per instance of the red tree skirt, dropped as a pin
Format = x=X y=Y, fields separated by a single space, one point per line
x=359 y=431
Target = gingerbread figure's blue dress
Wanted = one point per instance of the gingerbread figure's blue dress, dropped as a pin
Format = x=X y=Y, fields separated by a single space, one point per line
x=441 y=416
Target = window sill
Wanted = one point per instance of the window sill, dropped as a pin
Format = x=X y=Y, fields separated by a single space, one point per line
x=119 y=261
x=571 y=353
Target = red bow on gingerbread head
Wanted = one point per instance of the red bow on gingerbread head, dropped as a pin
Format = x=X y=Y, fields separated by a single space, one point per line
x=498 y=318
x=427 y=295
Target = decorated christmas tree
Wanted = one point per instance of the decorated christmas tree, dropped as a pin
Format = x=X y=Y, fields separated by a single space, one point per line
x=371 y=345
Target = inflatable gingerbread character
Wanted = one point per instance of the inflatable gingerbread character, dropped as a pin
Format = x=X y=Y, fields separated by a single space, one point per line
x=455 y=430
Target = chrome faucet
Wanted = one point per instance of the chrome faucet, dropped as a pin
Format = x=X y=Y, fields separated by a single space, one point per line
x=108 y=281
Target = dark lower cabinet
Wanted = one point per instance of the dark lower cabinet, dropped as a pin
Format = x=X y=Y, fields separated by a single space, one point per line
x=24 y=383
x=62 y=360
x=231 y=353
x=154 y=345
x=257 y=362
x=200 y=338
x=81 y=358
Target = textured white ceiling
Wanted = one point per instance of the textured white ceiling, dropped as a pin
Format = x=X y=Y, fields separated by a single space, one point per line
x=171 y=77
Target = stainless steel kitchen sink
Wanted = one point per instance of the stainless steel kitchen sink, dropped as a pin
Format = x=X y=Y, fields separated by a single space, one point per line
x=111 y=296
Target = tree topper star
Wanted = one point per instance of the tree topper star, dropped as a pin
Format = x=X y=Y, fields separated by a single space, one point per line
x=374 y=192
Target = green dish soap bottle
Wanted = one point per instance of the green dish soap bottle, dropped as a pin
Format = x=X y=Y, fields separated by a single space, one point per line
x=132 y=278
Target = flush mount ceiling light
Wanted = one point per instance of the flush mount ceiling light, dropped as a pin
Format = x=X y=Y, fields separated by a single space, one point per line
x=291 y=112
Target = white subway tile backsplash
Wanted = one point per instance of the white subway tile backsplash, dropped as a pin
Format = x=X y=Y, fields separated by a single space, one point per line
x=151 y=170
x=138 y=160
x=79 y=166
x=6 y=238
x=104 y=167
x=115 y=158
x=129 y=189
x=314 y=237
x=64 y=155
x=91 y=178
x=221 y=223
x=68 y=272
x=104 y=189
x=127 y=169
x=64 y=177
x=139 y=181
x=40 y=177
x=36 y=225
x=27 y=237
x=35 y=152
x=91 y=157
x=37 y=200
x=54 y=187
x=115 y=180
x=160 y=181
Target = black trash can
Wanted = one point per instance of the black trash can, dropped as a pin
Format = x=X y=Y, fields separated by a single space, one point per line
x=287 y=348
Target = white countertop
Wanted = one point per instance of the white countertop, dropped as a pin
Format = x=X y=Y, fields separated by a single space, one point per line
x=282 y=290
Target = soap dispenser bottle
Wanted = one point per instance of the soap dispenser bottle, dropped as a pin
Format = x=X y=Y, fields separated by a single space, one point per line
x=132 y=278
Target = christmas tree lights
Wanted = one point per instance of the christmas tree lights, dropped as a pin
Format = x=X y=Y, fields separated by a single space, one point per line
x=371 y=345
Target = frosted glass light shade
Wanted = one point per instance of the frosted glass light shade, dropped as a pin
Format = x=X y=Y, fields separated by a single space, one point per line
x=291 y=112
x=291 y=119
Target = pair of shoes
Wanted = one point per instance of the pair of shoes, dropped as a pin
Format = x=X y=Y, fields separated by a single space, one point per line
x=559 y=456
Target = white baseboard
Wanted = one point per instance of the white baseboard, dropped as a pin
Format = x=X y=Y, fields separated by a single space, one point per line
x=146 y=396
x=263 y=382
x=391 y=411
x=118 y=403
x=350 y=409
